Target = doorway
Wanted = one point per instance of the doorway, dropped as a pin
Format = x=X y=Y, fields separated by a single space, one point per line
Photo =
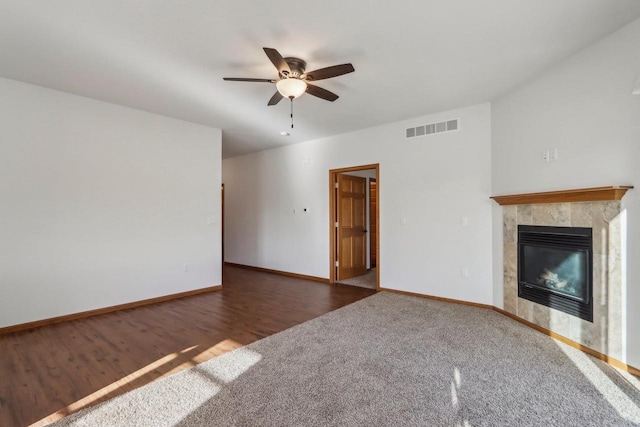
x=222 y=230
x=354 y=207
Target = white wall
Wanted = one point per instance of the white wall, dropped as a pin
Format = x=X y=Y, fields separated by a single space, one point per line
x=431 y=181
x=584 y=108
x=101 y=204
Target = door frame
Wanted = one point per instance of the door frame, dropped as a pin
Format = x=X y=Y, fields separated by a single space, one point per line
x=333 y=252
x=222 y=232
x=371 y=259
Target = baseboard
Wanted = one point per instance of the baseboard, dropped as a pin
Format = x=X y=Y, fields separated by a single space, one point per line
x=574 y=344
x=84 y=314
x=453 y=301
x=282 y=273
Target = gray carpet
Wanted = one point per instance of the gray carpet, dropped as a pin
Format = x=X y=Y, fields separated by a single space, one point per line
x=387 y=360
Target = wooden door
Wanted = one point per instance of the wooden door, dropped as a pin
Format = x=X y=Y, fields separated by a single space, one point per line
x=351 y=229
x=373 y=226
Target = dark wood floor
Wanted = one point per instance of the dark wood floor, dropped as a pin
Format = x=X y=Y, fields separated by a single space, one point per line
x=55 y=370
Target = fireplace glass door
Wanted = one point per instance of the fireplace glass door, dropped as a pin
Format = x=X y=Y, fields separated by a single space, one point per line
x=555 y=268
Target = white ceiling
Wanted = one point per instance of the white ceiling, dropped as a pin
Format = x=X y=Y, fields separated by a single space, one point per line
x=412 y=57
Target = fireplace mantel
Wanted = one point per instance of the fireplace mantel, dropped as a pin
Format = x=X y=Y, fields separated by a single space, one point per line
x=595 y=194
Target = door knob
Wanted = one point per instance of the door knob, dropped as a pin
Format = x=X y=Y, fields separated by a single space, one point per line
x=364 y=231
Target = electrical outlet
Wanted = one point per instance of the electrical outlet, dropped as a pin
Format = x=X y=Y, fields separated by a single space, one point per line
x=554 y=154
x=546 y=156
x=464 y=273
x=185 y=267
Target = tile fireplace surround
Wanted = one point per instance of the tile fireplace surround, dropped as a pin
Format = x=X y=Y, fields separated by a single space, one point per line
x=573 y=208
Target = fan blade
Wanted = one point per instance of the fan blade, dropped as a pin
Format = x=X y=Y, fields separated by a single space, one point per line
x=327 y=73
x=277 y=60
x=242 y=79
x=275 y=98
x=321 y=93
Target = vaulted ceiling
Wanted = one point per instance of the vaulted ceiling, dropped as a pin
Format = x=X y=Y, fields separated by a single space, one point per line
x=412 y=57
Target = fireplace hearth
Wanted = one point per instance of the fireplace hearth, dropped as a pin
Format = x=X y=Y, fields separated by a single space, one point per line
x=555 y=268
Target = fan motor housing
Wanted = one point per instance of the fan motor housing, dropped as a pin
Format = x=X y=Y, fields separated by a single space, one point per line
x=297 y=67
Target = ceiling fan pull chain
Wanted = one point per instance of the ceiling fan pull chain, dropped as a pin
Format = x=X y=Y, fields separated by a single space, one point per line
x=291 y=112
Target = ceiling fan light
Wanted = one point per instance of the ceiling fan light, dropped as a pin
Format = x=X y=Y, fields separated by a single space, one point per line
x=291 y=88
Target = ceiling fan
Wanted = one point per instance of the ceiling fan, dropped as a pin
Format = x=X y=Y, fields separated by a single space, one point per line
x=292 y=79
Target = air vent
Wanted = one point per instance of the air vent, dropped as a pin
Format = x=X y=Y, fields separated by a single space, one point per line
x=432 y=128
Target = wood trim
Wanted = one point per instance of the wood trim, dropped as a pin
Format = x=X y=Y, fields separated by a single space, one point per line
x=377 y=227
x=574 y=344
x=333 y=178
x=282 y=273
x=442 y=299
x=104 y=310
x=356 y=168
x=222 y=228
x=594 y=194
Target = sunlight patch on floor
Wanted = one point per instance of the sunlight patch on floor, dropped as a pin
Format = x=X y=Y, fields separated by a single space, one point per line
x=237 y=363
x=630 y=378
x=243 y=359
x=124 y=384
x=607 y=388
x=456 y=385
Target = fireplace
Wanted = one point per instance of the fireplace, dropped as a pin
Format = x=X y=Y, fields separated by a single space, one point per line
x=555 y=268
